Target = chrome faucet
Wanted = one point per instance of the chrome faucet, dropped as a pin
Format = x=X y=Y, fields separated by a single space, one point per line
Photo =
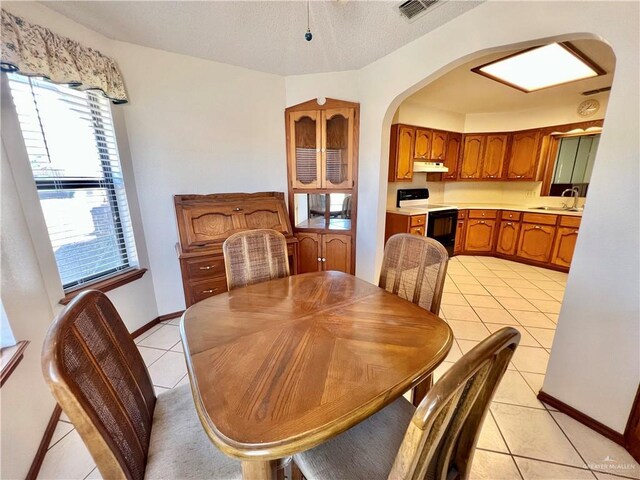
x=575 y=193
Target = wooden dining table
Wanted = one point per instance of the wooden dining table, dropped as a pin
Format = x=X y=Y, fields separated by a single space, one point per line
x=279 y=367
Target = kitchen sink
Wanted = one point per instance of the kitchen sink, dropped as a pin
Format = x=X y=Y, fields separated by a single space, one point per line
x=558 y=209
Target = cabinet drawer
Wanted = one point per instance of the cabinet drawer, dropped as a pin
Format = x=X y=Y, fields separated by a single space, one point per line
x=207 y=288
x=418 y=220
x=417 y=230
x=541 y=218
x=203 y=268
x=483 y=213
x=567 y=221
x=462 y=214
x=511 y=215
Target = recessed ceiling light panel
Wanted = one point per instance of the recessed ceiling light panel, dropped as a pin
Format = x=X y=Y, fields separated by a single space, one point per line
x=541 y=67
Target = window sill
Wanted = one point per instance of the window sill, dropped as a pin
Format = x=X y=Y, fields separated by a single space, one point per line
x=10 y=357
x=105 y=285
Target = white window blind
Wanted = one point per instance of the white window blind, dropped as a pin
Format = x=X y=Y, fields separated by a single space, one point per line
x=71 y=144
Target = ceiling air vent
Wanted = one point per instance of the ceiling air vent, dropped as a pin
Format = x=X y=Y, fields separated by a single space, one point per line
x=413 y=9
x=597 y=90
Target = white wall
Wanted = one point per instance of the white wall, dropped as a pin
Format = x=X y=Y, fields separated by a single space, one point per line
x=421 y=115
x=594 y=364
x=196 y=126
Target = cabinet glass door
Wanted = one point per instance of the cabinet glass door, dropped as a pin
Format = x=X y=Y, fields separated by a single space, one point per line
x=323 y=211
x=337 y=150
x=305 y=149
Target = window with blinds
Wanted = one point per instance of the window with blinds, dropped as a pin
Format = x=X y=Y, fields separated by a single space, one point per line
x=71 y=144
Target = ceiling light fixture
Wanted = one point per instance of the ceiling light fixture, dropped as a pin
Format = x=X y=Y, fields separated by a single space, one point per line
x=541 y=67
x=308 y=36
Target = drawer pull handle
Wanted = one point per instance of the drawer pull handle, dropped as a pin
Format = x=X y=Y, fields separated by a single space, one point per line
x=509 y=223
x=237 y=209
x=211 y=290
x=482 y=221
x=537 y=227
x=208 y=267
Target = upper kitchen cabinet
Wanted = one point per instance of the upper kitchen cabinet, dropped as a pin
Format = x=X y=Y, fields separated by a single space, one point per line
x=494 y=155
x=401 y=153
x=452 y=155
x=438 y=145
x=322 y=145
x=422 y=144
x=523 y=157
x=471 y=164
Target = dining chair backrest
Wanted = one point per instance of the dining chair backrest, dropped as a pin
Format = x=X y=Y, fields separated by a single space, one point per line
x=98 y=377
x=255 y=256
x=414 y=268
x=441 y=438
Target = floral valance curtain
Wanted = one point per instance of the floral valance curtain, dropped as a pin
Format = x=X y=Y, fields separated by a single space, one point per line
x=36 y=51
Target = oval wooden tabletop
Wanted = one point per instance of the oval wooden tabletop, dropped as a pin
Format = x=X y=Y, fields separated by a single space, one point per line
x=282 y=366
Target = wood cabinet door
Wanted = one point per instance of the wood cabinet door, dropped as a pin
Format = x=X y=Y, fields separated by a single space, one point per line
x=459 y=244
x=536 y=242
x=494 y=155
x=336 y=252
x=471 y=165
x=304 y=135
x=564 y=246
x=523 y=158
x=337 y=148
x=310 y=253
x=438 y=145
x=478 y=236
x=422 y=145
x=452 y=155
x=508 y=238
x=404 y=154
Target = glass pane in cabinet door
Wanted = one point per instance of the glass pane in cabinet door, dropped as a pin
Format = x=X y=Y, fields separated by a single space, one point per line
x=340 y=205
x=310 y=210
x=306 y=156
x=337 y=152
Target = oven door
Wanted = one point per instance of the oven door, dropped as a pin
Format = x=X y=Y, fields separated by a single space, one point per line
x=441 y=226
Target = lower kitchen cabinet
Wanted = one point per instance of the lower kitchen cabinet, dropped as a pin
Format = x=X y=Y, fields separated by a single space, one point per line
x=508 y=237
x=324 y=251
x=478 y=236
x=536 y=242
x=564 y=246
x=400 y=223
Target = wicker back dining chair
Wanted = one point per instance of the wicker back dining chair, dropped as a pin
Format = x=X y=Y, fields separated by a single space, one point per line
x=436 y=441
x=255 y=256
x=99 y=378
x=414 y=268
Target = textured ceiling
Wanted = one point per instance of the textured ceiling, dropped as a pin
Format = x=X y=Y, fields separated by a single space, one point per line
x=267 y=36
x=463 y=91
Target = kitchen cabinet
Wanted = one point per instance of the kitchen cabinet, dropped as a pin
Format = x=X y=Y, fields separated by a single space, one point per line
x=460 y=228
x=565 y=242
x=494 y=155
x=328 y=251
x=452 y=155
x=479 y=235
x=471 y=164
x=321 y=148
x=399 y=223
x=401 y=153
x=523 y=156
x=422 y=144
x=536 y=237
x=438 y=146
x=508 y=237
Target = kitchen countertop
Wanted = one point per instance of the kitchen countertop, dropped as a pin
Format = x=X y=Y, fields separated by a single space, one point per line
x=479 y=206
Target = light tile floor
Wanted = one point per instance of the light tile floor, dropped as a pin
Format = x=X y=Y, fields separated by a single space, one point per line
x=521 y=438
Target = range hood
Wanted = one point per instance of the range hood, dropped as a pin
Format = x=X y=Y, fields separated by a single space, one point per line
x=429 y=167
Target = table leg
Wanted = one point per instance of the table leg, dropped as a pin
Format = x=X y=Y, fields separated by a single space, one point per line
x=259 y=469
x=420 y=390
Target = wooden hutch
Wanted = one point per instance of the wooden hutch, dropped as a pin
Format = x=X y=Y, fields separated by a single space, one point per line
x=205 y=222
x=322 y=154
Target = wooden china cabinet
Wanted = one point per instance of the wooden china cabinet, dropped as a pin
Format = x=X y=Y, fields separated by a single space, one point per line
x=322 y=163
